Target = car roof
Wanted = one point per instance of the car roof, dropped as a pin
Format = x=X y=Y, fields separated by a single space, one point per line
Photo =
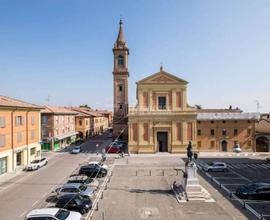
x=68 y=196
x=81 y=177
x=44 y=211
x=67 y=185
x=219 y=162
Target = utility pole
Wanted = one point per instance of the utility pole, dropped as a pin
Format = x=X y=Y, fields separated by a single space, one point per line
x=258 y=105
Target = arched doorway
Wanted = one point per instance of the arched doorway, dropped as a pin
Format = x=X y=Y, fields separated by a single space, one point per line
x=262 y=144
x=224 y=146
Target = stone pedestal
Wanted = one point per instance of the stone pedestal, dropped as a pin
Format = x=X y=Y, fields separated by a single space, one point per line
x=192 y=190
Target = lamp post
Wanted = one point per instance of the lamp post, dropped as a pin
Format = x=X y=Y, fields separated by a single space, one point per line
x=97 y=145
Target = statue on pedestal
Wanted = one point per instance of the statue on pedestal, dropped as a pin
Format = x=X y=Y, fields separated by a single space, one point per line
x=189 y=151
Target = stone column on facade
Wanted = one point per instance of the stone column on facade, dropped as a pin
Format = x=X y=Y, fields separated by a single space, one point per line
x=151 y=134
x=173 y=99
x=140 y=100
x=184 y=132
x=150 y=101
x=174 y=135
x=184 y=98
x=140 y=128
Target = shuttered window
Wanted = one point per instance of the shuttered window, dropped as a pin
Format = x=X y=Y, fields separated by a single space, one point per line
x=2 y=122
x=2 y=140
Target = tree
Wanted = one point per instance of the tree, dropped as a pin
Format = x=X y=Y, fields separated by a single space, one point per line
x=85 y=106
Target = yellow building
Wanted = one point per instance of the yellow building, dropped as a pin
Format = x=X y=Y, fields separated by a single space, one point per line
x=222 y=129
x=19 y=134
x=162 y=120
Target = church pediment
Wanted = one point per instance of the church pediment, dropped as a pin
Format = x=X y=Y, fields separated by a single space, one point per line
x=162 y=77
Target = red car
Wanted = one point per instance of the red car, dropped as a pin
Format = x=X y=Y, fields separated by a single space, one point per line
x=113 y=148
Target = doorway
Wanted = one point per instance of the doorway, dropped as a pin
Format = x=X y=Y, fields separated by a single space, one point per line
x=224 y=146
x=19 y=159
x=162 y=141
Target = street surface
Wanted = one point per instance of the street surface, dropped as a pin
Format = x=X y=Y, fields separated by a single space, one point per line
x=140 y=188
x=31 y=190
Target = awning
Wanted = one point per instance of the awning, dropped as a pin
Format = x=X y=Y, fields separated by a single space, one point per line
x=61 y=137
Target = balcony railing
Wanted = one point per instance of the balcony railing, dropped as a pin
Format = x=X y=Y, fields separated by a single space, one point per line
x=155 y=111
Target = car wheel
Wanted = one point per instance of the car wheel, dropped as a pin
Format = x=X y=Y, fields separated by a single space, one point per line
x=83 y=211
x=38 y=167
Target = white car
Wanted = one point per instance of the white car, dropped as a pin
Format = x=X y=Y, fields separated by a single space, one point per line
x=76 y=150
x=53 y=214
x=102 y=165
x=237 y=149
x=36 y=164
x=215 y=167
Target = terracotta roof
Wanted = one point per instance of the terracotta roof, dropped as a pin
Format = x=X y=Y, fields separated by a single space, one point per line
x=58 y=110
x=11 y=102
x=87 y=111
x=263 y=126
x=80 y=112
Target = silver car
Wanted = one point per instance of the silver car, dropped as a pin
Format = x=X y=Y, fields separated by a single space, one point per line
x=215 y=167
x=75 y=188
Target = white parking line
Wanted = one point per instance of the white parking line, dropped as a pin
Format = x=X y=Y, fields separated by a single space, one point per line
x=35 y=203
x=21 y=215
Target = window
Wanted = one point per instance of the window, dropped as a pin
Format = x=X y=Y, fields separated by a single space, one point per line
x=19 y=120
x=32 y=134
x=199 y=122
x=80 y=122
x=19 y=137
x=2 y=140
x=212 y=132
x=86 y=122
x=235 y=121
x=120 y=106
x=212 y=122
x=2 y=122
x=161 y=102
x=249 y=143
x=199 y=132
x=199 y=144
x=223 y=121
x=248 y=121
x=120 y=88
x=235 y=132
x=32 y=120
x=33 y=151
x=212 y=144
x=44 y=119
x=224 y=132
x=120 y=60
x=56 y=131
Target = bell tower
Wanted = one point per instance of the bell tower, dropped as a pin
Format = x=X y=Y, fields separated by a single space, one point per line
x=120 y=85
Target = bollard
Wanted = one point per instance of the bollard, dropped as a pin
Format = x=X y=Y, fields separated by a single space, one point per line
x=111 y=173
x=162 y=172
x=136 y=172
x=105 y=186
x=149 y=172
x=109 y=179
x=96 y=207
x=101 y=195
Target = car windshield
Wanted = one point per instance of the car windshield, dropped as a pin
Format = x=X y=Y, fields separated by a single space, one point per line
x=35 y=161
x=210 y=164
x=62 y=214
x=83 y=187
x=78 y=199
x=77 y=147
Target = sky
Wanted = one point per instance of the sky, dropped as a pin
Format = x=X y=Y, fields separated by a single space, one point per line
x=59 y=52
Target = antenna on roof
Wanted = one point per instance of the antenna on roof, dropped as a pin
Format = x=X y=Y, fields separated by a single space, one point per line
x=48 y=99
x=258 y=105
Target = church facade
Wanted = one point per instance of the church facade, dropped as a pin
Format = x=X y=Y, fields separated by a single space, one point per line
x=162 y=120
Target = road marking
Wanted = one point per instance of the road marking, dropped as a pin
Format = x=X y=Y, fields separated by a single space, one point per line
x=21 y=215
x=45 y=194
x=35 y=203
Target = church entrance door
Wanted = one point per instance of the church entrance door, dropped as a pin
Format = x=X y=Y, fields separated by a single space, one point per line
x=162 y=141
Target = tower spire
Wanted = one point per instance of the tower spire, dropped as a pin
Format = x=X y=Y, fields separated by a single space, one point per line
x=120 y=38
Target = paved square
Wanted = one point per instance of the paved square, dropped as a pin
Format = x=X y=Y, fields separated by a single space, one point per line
x=140 y=189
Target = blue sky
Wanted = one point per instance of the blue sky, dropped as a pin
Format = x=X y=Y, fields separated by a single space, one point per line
x=64 y=49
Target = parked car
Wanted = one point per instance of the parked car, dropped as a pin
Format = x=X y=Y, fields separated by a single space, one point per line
x=237 y=149
x=75 y=188
x=215 y=167
x=36 y=164
x=255 y=190
x=83 y=179
x=76 y=150
x=100 y=164
x=75 y=202
x=53 y=214
x=114 y=148
x=93 y=170
x=268 y=159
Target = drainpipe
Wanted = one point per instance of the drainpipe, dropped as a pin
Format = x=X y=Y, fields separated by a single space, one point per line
x=12 y=139
x=27 y=142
